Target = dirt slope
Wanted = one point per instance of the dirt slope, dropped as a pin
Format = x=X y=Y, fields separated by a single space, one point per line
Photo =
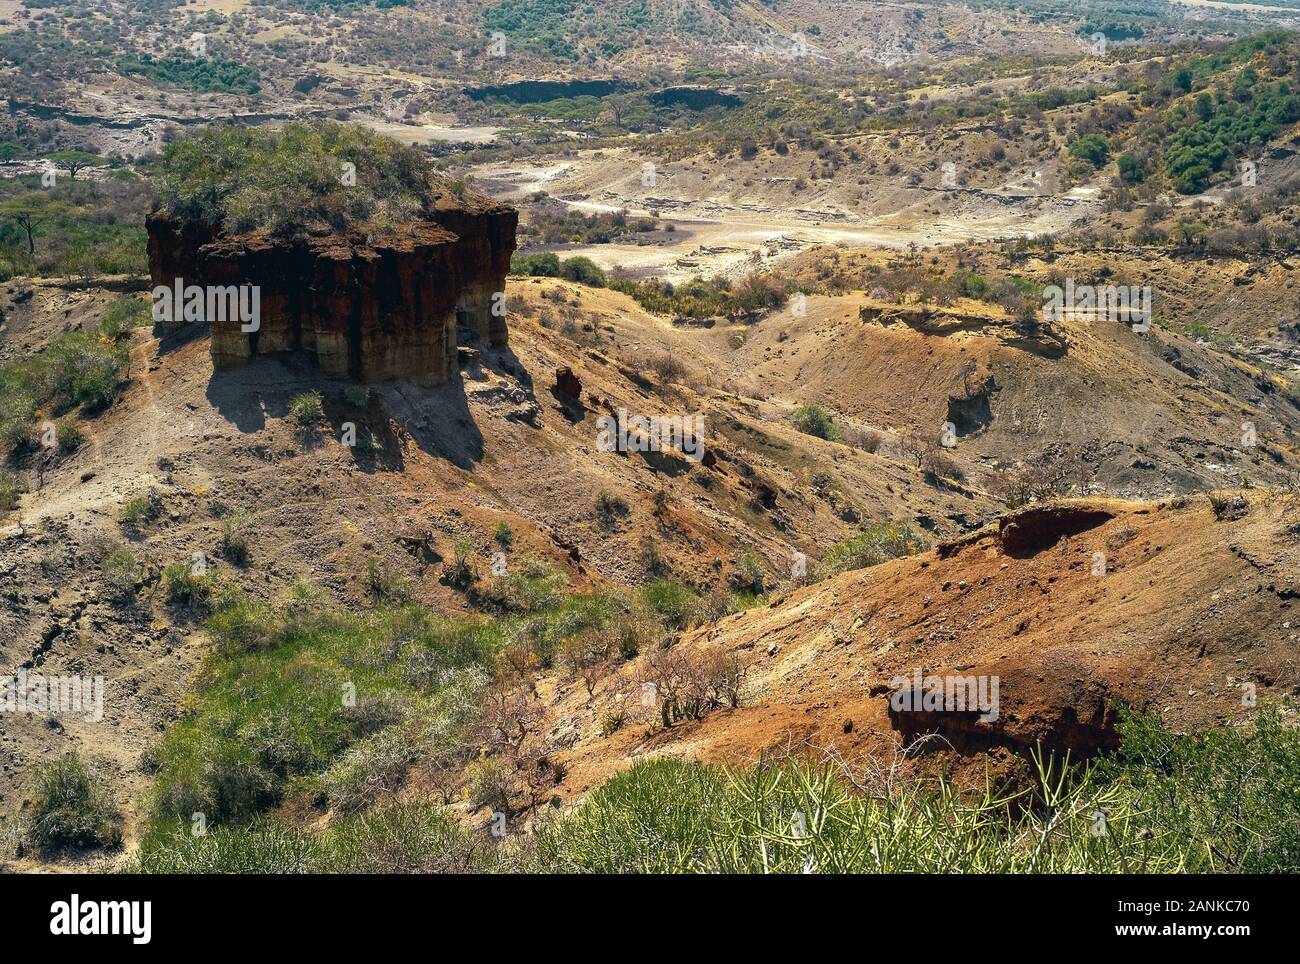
x=1168 y=411
x=1189 y=609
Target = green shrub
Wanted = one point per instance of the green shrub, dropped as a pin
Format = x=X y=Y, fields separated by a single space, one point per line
x=417 y=838
x=670 y=601
x=242 y=624
x=134 y=511
x=307 y=411
x=84 y=371
x=18 y=405
x=185 y=585
x=879 y=543
x=68 y=435
x=1090 y=149
x=582 y=270
x=75 y=369
x=533 y=586
x=1132 y=168
x=234 y=536
x=140 y=510
x=748 y=576
x=372 y=769
x=631 y=634
x=489 y=784
x=69 y=810
x=122 y=572
x=545 y=265
x=124 y=315
x=816 y=421
x=11 y=487
x=383 y=583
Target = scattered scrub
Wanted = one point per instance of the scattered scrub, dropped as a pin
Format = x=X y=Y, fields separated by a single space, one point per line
x=70 y=810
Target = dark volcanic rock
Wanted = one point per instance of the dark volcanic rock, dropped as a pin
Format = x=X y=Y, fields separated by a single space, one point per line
x=568 y=384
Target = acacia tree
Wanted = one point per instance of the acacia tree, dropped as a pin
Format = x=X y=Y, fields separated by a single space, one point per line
x=31 y=210
x=73 y=161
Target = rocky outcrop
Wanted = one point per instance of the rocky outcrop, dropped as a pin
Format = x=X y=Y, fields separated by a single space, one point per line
x=1054 y=702
x=568 y=385
x=1029 y=531
x=1031 y=336
x=371 y=304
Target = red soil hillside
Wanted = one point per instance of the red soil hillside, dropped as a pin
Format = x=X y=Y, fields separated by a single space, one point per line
x=1192 y=606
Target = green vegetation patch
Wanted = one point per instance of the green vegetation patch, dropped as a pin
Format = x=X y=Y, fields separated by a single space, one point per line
x=199 y=74
x=303 y=176
x=816 y=421
x=548 y=265
x=299 y=701
x=1223 y=801
x=78 y=227
x=77 y=369
x=700 y=298
x=1212 y=131
x=878 y=543
x=70 y=809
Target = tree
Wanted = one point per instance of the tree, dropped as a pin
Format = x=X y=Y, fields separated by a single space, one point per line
x=1132 y=168
x=10 y=152
x=1092 y=149
x=74 y=161
x=30 y=210
x=916 y=446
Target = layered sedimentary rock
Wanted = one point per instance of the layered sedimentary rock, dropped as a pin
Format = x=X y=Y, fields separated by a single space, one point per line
x=369 y=304
x=1028 y=335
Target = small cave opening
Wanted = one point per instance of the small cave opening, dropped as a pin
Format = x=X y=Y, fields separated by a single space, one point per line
x=971 y=411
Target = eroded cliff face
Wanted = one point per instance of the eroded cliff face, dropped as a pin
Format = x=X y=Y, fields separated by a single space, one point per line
x=370 y=305
x=1035 y=337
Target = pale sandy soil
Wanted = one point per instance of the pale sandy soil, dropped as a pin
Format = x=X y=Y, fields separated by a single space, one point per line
x=1242 y=7
x=8 y=8
x=740 y=226
x=427 y=133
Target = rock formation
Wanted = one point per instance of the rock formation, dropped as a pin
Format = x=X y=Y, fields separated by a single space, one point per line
x=370 y=304
x=1031 y=335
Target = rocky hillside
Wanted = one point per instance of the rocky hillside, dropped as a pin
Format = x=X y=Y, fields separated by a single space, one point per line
x=231 y=465
x=1184 y=607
